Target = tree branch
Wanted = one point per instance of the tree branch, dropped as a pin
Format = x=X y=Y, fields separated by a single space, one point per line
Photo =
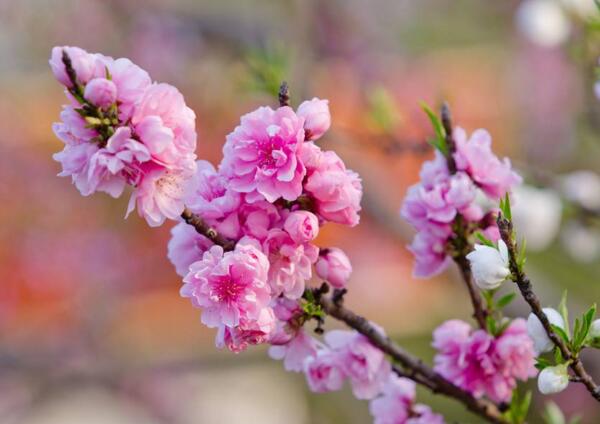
x=518 y=276
x=416 y=369
x=206 y=230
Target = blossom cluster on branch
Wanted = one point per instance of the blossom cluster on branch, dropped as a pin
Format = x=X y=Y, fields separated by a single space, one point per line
x=245 y=230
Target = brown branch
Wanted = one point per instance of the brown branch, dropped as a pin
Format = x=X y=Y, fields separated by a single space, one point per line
x=460 y=242
x=524 y=284
x=284 y=94
x=206 y=230
x=416 y=369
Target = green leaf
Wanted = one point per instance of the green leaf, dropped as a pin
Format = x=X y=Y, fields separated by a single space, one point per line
x=542 y=363
x=505 y=300
x=563 y=335
x=552 y=414
x=505 y=207
x=564 y=311
x=521 y=255
x=490 y=324
x=484 y=240
x=440 y=135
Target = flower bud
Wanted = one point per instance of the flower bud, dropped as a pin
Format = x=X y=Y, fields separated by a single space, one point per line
x=317 y=118
x=553 y=379
x=594 y=334
x=302 y=226
x=536 y=331
x=334 y=267
x=489 y=265
x=101 y=92
x=83 y=63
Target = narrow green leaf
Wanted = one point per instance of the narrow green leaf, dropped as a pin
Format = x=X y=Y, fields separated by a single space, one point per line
x=505 y=300
x=524 y=406
x=438 y=128
x=491 y=324
x=552 y=414
x=560 y=332
x=521 y=256
x=505 y=207
x=564 y=311
x=484 y=240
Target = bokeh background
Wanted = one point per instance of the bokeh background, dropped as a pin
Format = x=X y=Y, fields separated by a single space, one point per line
x=92 y=328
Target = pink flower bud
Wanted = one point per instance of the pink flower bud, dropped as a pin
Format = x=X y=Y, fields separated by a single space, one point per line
x=84 y=64
x=317 y=118
x=334 y=267
x=302 y=226
x=101 y=92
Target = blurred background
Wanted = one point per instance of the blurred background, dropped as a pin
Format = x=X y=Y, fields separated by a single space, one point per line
x=92 y=328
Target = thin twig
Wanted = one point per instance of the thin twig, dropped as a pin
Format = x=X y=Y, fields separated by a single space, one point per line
x=416 y=369
x=524 y=284
x=206 y=230
x=284 y=94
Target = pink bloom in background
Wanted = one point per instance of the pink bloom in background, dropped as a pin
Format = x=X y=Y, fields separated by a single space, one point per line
x=474 y=156
x=335 y=190
x=160 y=195
x=317 y=118
x=482 y=364
x=229 y=287
x=365 y=365
x=430 y=254
x=302 y=226
x=334 y=267
x=323 y=372
x=185 y=247
x=261 y=155
x=101 y=92
x=296 y=351
x=248 y=332
x=290 y=263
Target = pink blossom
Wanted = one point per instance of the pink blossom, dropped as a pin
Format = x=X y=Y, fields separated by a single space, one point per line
x=323 y=372
x=434 y=171
x=131 y=82
x=474 y=155
x=230 y=287
x=112 y=167
x=295 y=352
x=248 y=332
x=211 y=198
x=317 y=118
x=335 y=190
x=75 y=159
x=302 y=226
x=289 y=320
x=430 y=254
x=515 y=351
x=166 y=126
x=363 y=363
x=394 y=404
x=481 y=364
x=422 y=414
x=160 y=194
x=291 y=263
x=334 y=267
x=185 y=247
x=101 y=92
x=86 y=65
x=261 y=155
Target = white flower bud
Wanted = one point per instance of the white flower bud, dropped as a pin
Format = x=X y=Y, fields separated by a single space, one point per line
x=543 y=22
x=489 y=265
x=541 y=341
x=595 y=330
x=553 y=379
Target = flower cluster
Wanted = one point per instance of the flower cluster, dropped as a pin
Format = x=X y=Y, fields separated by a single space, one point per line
x=482 y=364
x=441 y=197
x=119 y=128
x=270 y=195
x=396 y=405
